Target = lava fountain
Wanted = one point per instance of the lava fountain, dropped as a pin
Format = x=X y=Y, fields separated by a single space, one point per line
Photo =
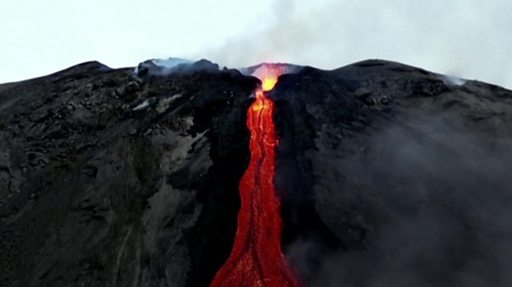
x=256 y=258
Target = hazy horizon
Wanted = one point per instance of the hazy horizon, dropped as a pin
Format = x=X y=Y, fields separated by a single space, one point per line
x=463 y=38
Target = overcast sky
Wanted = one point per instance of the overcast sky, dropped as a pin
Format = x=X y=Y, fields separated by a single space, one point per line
x=466 y=38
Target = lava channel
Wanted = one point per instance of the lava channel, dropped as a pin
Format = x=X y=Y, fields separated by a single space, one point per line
x=256 y=258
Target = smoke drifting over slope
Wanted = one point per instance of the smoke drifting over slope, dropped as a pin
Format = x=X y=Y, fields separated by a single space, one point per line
x=460 y=38
x=414 y=187
x=436 y=201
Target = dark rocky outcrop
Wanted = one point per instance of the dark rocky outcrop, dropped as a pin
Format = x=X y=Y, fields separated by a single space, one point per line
x=389 y=175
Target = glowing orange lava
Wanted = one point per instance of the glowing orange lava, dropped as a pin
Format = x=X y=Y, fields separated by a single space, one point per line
x=268 y=84
x=268 y=75
x=256 y=258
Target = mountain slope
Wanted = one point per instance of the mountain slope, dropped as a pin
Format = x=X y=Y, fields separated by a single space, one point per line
x=388 y=174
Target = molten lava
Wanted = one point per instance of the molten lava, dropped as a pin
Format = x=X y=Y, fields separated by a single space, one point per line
x=268 y=75
x=256 y=258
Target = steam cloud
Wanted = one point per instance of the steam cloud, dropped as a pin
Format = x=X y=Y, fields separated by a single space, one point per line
x=436 y=200
x=461 y=37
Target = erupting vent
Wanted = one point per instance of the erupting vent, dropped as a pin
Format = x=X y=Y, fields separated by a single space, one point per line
x=268 y=75
x=256 y=258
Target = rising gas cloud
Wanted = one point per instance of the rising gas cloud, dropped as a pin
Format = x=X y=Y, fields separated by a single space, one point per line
x=459 y=38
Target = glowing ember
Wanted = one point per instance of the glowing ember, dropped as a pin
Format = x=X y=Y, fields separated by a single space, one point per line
x=256 y=259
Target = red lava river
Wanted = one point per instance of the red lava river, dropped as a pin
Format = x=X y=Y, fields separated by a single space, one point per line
x=256 y=258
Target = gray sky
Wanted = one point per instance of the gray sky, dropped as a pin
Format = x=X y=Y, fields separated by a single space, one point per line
x=466 y=38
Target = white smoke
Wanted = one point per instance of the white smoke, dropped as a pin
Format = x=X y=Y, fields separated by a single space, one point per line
x=452 y=80
x=461 y=37
x=165 y=67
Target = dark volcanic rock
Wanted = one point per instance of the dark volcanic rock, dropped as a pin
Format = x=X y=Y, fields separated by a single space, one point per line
x=393 y=176
x=158 y=67
x=389 y=175
x=109 y=181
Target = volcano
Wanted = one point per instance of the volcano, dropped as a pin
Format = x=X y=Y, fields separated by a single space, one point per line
x=373 y=174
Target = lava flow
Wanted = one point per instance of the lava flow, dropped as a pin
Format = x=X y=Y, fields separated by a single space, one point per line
x=256 y=258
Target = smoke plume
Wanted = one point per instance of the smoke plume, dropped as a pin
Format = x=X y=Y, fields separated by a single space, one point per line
x=435 y=199
x=462 y=38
